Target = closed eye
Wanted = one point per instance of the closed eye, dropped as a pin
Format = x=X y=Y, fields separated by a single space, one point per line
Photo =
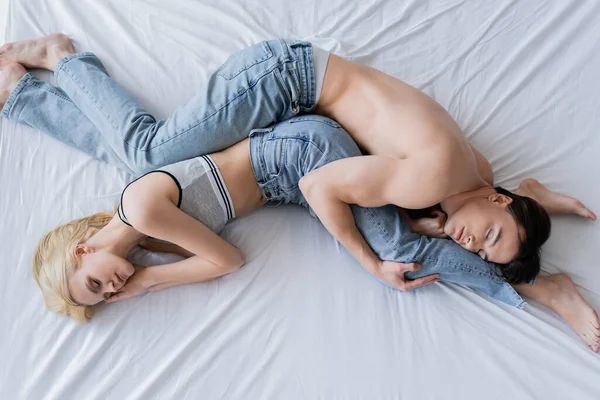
x=496 y=238
x=482 y=255
x=93 y=285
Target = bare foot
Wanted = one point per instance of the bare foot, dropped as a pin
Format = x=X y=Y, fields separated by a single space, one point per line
x=568 y=303
x=553 y=203
x=44 y=52
x=10 y=75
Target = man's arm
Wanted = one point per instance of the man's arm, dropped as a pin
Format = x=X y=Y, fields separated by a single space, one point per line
x=391 y=238
x=165 y=247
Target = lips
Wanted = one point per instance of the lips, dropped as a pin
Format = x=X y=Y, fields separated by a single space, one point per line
x=459 y=235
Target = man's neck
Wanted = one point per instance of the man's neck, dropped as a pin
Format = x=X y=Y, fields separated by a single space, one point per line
x=454 y=202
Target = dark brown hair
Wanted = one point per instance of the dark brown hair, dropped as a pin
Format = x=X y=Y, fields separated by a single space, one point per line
x=535 y=223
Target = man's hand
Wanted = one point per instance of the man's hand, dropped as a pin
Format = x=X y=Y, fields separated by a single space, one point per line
x=392 y=273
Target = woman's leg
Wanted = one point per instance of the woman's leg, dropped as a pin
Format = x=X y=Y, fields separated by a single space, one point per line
x=555 y=291
x=283 y=154
x=41 y=106
x=265 y=83
x=553 y=203
x=559 y=293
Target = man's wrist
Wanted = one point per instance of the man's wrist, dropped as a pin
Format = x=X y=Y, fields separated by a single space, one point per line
x=373 y=265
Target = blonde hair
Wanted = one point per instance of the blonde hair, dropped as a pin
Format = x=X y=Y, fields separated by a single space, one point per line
x=55 y=258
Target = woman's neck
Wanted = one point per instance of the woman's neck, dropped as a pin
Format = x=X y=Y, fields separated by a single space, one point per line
x=117 y=237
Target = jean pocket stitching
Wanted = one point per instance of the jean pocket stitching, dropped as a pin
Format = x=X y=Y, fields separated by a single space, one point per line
x=312 y=118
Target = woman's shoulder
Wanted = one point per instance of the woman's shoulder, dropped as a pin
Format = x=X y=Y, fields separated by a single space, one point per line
x=148 y=195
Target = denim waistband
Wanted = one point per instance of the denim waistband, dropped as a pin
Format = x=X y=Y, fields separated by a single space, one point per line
x=301 y=53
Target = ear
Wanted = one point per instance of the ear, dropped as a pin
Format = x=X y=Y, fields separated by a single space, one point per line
x=500 y=199
x=82 y=249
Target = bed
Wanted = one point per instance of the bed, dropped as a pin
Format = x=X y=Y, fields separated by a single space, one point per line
x=302 y=320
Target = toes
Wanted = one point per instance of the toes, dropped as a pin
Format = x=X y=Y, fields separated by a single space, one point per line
x=13 y=70
x=595 y=321
x=587 y=339
x=582 y=210
x=6 y=47
x=585 y=213
x=592 y=215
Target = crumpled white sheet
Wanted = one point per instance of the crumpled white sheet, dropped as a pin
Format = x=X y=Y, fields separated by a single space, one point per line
x=301 y=320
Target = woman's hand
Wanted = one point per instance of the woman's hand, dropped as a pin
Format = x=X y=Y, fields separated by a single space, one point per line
x=139 y=283
x=432 y=227
x=392 y=273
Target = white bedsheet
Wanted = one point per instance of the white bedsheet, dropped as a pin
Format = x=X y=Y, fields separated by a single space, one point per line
x=301 y=320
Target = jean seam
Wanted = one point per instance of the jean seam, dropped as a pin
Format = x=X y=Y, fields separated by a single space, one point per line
x=467 y=268
x=217 y=111
x=50 y=91
x=12 y=98
x=313 y=118
x=60 y=67
x=382 y=230
x=255 y=62
x=281 y=84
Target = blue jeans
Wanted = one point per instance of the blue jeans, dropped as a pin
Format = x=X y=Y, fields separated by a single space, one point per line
x=269 y=82
x=282 y=154
x=256 y=87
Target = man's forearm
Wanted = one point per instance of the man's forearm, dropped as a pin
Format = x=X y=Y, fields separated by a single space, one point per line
x=337 y=218
x=163 y=247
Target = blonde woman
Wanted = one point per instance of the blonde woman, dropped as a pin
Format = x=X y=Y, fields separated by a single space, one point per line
x=264 y=83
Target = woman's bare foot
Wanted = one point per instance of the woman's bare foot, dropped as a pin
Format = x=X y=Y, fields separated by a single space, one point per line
x=10 y=75
x=568 y=303
x=553 y=203
x=44 y=52
x=560 y=294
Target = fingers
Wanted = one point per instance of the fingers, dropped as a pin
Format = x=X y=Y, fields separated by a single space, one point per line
x=426 y=280
x=405 y=285
x=440 y=215
x=118 y=297
x=408 y=267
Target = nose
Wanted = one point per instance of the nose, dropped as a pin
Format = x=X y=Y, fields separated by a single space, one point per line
x=111 y=285
x=470 y=243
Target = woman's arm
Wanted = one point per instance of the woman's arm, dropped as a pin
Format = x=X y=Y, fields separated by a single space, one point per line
x=212 y=256
x=191 y=270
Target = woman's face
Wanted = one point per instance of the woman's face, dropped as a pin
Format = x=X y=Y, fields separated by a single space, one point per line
x=484 y=226
x=98 y=275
